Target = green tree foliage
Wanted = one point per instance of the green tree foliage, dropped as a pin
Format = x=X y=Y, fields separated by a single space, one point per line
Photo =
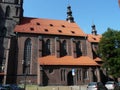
x=109 y=50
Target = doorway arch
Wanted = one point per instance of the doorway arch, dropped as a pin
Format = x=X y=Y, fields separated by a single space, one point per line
x=70 y=79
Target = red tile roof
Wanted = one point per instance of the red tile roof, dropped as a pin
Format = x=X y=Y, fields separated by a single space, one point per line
x=48 y=26
x=98 y=59
x=94 y=38
x=67 y=60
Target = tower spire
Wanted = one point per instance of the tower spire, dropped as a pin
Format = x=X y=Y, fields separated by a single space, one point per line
x=94 y=31
x=69 y=14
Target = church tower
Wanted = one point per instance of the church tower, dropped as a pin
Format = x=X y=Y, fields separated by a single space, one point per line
x=11 y=11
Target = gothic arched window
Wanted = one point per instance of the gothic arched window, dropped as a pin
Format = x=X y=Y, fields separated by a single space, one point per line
x=78 y=49
x=27 y=56
x=63 y=48
x=7 y=13
x=47 y=47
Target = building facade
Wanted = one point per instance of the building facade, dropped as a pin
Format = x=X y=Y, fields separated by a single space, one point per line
x=10 y=14
x=45 y=51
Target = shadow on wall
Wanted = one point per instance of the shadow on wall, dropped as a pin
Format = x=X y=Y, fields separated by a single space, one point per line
x=45 y=79
x=70 y=79
x=94 y=76
x=13 y=61
x=105 y=77
x=2 y=34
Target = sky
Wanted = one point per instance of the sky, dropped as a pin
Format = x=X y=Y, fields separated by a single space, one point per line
x=103 y=13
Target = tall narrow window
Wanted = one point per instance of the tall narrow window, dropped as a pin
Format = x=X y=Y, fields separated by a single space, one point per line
x=85 y=74
x=7 y=13
x=27 y=56
x=63 y=49
x=78 y=73
x=64 y=75
x=78 y=49
x=61 y=75
x=64 y=45
x=48 y=47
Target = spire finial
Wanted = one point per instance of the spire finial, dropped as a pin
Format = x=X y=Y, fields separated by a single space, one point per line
x=69 y=14
x=68 y=2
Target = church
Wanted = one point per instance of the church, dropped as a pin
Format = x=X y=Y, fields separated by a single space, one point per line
x=46 y=51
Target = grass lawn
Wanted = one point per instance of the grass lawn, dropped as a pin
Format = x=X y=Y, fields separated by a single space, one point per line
x=36 y=87
x=30 y=87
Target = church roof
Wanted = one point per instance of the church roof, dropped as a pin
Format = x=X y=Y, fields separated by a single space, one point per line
x=94 y=38
x=67 y=60
x=48 y=26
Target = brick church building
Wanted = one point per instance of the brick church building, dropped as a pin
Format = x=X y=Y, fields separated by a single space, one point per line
x=45 y=51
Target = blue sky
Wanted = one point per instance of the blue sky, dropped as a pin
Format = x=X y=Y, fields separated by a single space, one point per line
x=102 y=13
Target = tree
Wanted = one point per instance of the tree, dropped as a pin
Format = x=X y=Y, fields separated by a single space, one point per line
x=109 y=50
